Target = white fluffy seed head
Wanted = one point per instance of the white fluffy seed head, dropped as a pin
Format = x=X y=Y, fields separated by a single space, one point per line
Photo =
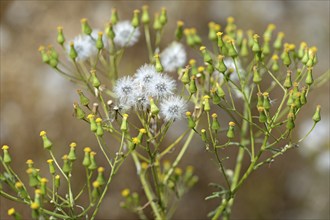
x=161 y=87
x=145 y=74
x=125 y=90
x=125 y=34
x=173 y=108
x=173 y=57
x=84 y=46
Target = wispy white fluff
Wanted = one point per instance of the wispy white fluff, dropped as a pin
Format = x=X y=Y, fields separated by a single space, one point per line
x=84 y=46
x=173 y=108
x=125 y=90
x=161 y=87
x=173 y=57
x=145 y=74
x=125 y=34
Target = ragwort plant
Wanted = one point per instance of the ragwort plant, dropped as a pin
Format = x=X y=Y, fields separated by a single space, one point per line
x=239 y=76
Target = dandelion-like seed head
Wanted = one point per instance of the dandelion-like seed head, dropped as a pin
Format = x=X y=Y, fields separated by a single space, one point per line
x=162 y=86
x=173 y=57
x=125 y=90
x=84 y=46
x=125 y=34
x=173 y=108
x=145 y=74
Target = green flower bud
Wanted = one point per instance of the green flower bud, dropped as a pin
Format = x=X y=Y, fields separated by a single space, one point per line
x=78 y=112
x=260 y=100
x=256 y=46
x=33 y=177
x=256 y=75
x=96 y=190
x=99 y=41
x=230 y=132
x=114 y=16
x=221 y=44
x=290 y=99
x=124 y=124
x=37 y=197
x=99 y=130
x=266 y=47
x=86 y=29
x=93 y=126
x=266 y=104
x=221 y=67
x=60 y=36
x=288 y=83
x=72 y=154
x=135 y=141
x=215 y=126
x=73 y=53
x=206 y=103
x=43 y=186
x=244 y=49
x=305 y=58
x=95 y=81
x=66 y=164
x=44 y=56
x=275 y=65
x=203 y=134
x=83 y=99
x=92 y=165
x=109 y=31
x=57 y=181
x=51 y=166
x=262 y=115
x=269 y=31
x=157 y=25
x=179 y=30
x=278 y=42
x=21 y=190
x=317 y=114
x=297 y=102
x=286 y=58
x=192 y=85
x=185 y=79
x=303 y=98
x=158 y=65
x=135 y=20
x=232 y=52
x=213 y=29
x=215 y=97
x=87 y=161
x=6 y=156
x=191 y=122
x=220 y=91
x=142 y=131
x=163 y=17
x=145 y=18
x=309 y=78
x=206 y=56
x=46 y=142
x=301 y=51
x=290 y=122
x=189 y=37
x=100 y=176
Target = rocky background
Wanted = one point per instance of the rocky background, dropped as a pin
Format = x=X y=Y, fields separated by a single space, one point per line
x=35 y=98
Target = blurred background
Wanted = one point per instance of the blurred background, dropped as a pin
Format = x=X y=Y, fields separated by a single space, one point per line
x=35 y=98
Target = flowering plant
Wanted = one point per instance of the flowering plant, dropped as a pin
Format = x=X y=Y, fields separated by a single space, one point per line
x=226 y=100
